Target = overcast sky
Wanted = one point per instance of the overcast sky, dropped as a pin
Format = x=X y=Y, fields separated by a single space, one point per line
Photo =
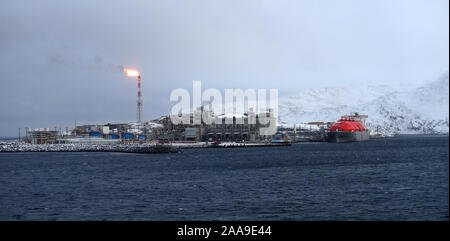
x=57 y=57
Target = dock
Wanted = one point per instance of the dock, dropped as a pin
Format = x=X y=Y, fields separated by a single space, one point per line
x=244 y=145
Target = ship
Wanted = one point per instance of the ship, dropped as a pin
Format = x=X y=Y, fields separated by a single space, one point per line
x=350 y=128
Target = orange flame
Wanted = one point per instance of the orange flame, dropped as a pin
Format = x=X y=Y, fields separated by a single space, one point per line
x=131 y=72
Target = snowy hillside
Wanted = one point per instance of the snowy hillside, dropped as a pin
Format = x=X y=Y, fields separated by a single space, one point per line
x=421 y=110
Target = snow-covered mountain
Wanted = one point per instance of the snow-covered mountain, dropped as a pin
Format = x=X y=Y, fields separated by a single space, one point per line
x=422 y=110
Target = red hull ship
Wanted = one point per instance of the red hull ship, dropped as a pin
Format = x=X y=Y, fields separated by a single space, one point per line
x=349 y=129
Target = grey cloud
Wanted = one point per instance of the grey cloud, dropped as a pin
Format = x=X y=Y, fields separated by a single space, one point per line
x=58 y=59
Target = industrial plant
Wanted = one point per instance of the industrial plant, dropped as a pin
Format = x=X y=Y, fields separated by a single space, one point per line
x=235 y=128
x=223 y=128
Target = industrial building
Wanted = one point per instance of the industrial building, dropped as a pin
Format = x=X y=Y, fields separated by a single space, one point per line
x=41 y=136
x=231 y=127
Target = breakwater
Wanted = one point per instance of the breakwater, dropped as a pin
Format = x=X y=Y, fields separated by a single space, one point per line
x=127 y=148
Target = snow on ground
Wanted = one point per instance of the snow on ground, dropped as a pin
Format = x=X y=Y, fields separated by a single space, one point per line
x=421 y=110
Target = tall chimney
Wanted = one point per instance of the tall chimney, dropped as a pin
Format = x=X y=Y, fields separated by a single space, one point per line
x=139 y=101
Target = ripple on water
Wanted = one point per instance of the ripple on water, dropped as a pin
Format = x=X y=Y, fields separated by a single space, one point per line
x=401 y=178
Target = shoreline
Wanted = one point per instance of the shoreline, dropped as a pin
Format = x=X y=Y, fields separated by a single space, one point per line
x=126 y=148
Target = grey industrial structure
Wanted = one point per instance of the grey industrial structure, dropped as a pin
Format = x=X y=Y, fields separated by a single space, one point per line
x=209 y=128
x=217 y=128
x=42 y=136
x=238 y=128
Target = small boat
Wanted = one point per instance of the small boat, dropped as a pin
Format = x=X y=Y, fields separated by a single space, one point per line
x=279 y=142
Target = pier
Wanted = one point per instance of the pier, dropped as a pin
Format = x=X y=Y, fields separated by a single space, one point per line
x=256 y=144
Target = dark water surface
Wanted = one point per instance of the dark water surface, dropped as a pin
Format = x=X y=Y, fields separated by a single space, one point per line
x=401 y=178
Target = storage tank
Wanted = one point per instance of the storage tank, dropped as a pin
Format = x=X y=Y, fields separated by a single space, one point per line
x=128 y=136
x=95 y=134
